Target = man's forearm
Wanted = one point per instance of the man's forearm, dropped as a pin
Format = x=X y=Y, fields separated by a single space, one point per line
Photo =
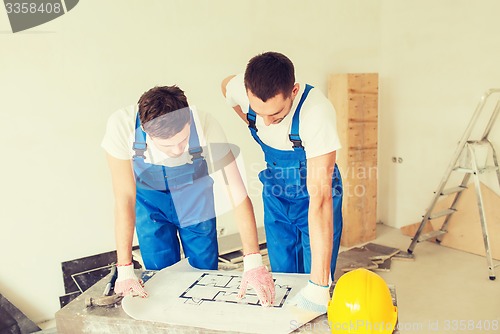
x=124 y=233
x=321 y=238
x=243 y=208
x=247 y=226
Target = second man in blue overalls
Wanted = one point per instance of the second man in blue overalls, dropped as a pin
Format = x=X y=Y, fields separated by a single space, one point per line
x=295 y=126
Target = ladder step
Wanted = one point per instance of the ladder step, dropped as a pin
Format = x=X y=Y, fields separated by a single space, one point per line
x=463 y=170
x=431 y=235
x=453 y=190
x=442 y=213
x=488 y=169
x=480 y=170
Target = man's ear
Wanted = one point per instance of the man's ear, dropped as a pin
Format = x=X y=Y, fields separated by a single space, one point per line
x=295 y=90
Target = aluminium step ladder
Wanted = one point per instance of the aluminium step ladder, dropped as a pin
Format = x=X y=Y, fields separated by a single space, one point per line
x=465 y=161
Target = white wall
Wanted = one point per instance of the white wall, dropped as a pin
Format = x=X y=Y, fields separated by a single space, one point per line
x=436 y=60
x=60 y=81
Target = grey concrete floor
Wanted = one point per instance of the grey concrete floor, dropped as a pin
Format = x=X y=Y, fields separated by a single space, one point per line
x=443 y=290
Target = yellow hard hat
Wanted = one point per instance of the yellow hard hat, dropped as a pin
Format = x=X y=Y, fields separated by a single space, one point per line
x=362 y=304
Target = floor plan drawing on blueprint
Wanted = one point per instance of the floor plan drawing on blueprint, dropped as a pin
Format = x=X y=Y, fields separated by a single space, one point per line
x=211 y=287
x=186 y=298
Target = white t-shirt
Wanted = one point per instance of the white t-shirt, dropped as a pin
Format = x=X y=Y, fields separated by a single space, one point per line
x=317 y=121
x=120 y=136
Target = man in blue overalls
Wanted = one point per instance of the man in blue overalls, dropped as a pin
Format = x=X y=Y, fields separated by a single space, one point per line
x=302 y=188
x=157 y=152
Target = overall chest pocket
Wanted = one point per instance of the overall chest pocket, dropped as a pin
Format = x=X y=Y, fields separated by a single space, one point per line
x=287 y=181
x=287 y=172
x=151 y=178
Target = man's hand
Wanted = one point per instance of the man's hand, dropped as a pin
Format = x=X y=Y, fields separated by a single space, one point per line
x=313 y=298
x=128 y=283
x=259 y=278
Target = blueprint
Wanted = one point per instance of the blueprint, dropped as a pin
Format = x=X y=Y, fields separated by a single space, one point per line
x=183 y=296
x=213 y=287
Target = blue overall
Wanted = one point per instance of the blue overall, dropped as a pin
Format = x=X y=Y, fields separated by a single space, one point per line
x=286 y=201
x=174 y=200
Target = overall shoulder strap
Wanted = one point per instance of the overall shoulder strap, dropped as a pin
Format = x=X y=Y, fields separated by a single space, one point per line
x=251 y=118
x=139 y=145
x=194 y=141
x=294 y=131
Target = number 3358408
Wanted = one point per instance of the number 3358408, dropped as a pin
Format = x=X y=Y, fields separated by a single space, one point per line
x=32 y=8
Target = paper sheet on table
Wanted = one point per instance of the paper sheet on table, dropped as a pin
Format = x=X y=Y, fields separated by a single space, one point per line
x=182 y=295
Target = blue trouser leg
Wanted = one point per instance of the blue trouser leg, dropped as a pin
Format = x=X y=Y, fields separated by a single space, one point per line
x=199 y=242
x=284 y=243
x=284 y=247
x=337 y=231
x=158 y=239
x=287 y=231
x=337 y=190
x=303 y=228
x=288 y=243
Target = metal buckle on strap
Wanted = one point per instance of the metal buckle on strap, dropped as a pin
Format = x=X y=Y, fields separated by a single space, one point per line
x=196 y=153
x=251 y=125
x=139 y=149
x=251 y=122
x=296 y=141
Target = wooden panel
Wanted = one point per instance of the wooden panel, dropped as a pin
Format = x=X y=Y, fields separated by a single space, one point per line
x=360 y=203
x=464 y=229
x=362 y=155
x=355 y=98
x=363 y=107
x=359 y=83
x=362 y=135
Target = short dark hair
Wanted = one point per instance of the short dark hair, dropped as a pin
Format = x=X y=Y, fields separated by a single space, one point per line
x=162 y=101
x=270 y=74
